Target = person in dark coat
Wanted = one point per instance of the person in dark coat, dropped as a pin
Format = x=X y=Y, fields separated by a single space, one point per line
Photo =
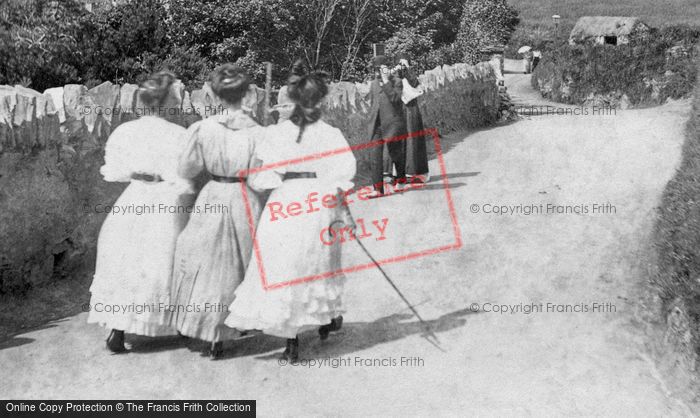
x=387 y=120
x=416 y=150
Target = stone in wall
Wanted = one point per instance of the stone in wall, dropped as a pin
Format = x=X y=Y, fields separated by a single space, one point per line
x=72 y=94
x=56 y=95
x=449 y=73
x=73 y=106
x=49 y=120
x=204 y=101
x=106 y=111
x=25 y=126
x=127 y=102
x=439 y=77
x=8 y=102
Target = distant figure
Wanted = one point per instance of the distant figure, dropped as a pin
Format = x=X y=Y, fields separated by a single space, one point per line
x=527 y=59
x=536 y=57
x=136 y=245
x=386 y=120
x=416 y=151
x=295 y=247
x=214 y=250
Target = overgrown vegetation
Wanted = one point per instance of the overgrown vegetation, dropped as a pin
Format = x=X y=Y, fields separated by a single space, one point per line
x=648 y=70
x=48 y=43
x=542 y=37
x=677 y=231
x=485 y=23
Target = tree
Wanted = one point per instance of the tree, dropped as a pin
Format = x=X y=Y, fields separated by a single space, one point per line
x=38 y=42
x=426 y=30
x=483 y=23
x=354 y=30
x=124 y=43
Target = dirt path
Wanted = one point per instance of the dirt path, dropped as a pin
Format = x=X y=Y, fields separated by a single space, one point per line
x=546 y=363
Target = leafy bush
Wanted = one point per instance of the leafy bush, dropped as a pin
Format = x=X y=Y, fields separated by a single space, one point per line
x=38 y=42
x=484 y=23
x=126 y=42
x=677 y=231
x=644 y=70
x=539 y=36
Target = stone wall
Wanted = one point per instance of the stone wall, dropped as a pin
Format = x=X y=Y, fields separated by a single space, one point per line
x=52 y=196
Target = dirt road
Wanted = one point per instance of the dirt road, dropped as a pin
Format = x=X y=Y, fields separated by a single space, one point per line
x=494 y=363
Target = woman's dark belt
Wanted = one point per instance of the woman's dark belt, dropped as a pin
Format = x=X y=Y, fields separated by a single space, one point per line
x=299 y=175
x=224 y=179
x=149 y=178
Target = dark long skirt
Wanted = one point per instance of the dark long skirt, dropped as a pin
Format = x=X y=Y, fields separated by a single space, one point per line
x=416 y=149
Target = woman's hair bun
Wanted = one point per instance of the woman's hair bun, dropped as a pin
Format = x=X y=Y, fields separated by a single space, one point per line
x=154 y=90
x=306 y=90
x=230 y=82
x=299 y=68
x=298 y=71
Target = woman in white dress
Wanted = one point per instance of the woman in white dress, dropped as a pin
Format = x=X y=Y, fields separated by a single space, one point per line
x=214 y=249
x=292 y=247
x=131 y=286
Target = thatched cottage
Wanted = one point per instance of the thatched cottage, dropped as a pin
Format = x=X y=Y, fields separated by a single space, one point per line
x=606 y=30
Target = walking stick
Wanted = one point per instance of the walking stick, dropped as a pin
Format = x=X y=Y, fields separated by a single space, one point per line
x=428 y=330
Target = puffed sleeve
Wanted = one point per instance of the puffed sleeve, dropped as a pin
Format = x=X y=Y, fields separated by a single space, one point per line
x=118 y=156
x=266 y=152
x=171 y=151
x=191 y=161
x=340 y=168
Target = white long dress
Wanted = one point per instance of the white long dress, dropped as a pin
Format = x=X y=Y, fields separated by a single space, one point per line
x=131 y=286
x=212 y=252
x=290 y=249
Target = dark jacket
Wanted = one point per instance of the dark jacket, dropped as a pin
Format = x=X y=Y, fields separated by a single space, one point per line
x=388 y=107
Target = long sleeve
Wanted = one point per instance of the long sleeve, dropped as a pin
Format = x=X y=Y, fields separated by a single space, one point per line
x=117 y=166
x=191 y=161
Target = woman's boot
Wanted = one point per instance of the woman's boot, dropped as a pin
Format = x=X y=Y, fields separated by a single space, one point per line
x=335 y=325
x=115 y=341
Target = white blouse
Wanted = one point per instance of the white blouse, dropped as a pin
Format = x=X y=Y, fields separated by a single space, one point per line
x=322 y=150
x=222 y=144
x=148 y=145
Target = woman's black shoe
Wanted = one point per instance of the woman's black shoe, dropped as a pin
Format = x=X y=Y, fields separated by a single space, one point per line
x=217 y=350
x=335 y=325
x=291 y=353
x=115 y=341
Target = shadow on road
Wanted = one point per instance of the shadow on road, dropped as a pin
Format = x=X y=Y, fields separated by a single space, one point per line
x=13 y=340
x=358 y=336
x=354 y=336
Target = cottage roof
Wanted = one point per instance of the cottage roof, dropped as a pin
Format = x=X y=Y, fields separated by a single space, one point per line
x=593 y=26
